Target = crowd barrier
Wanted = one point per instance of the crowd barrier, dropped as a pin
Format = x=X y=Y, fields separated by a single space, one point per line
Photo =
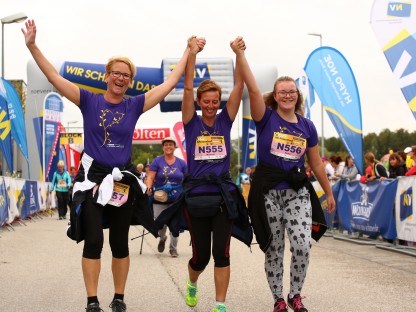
x=21 y=199
x=379 y=208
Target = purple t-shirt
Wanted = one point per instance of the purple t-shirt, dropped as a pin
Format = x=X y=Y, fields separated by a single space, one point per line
x=283 y=144
x=108 y=128
x=168 y=173
x=208 y=148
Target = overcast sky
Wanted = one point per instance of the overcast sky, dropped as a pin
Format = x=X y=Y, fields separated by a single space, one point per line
x=275 y=32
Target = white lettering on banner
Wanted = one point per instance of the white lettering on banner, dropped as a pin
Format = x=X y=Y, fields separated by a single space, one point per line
x=341 y=87
x=396 y=6
x=201 y=72
x=401 y=66
x=252 y=143
x=150 y=134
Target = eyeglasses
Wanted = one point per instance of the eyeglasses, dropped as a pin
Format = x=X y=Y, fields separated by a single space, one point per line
x=285 y=93
x=117 y=74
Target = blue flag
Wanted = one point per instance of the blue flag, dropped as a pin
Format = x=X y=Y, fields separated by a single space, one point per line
x=334 y=82
x=306 y=88
x=5 y=134
x=16 y=116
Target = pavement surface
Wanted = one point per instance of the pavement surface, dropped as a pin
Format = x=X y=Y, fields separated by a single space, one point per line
x=40 y=270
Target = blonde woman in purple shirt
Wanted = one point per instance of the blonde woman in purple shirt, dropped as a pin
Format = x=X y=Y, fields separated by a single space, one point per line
x=110 y=120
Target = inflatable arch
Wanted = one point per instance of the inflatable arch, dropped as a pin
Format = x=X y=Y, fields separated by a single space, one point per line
x=91 y=76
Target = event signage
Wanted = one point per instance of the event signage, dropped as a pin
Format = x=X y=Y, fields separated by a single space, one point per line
x=52 y=116
x=334 y=82
x=394 y=24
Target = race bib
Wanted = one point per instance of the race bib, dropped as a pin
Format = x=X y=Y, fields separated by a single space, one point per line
x=62 y=183
x=288 y=146
x=210 y=147
x=120 y=194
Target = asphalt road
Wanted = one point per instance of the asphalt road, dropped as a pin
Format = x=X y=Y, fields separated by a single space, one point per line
x=40 y=270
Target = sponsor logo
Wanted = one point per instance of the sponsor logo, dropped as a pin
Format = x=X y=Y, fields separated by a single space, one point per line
x=362 y=209
x=399 y=9
x=406 y=204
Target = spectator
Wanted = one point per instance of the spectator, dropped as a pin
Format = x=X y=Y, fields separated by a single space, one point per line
x=349 y=172
x=377 y=168
x=412 y=155
x=338 y=165
x=142 y=174
x=409 y=161
x=396 y=167
x=329 y=170
x=238 y=178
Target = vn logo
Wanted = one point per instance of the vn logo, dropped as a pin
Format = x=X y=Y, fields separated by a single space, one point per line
x=201 y=73
x=406 y=204
x=399 y=9
x=402 y=60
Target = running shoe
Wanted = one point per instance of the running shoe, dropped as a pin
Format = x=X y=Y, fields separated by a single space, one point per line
x=118 y=306
x=161 y=245
x=220 y=308
x=173 y=253
x=296 y=303
x=191 y=296
x=280 y=306
x=94 y=307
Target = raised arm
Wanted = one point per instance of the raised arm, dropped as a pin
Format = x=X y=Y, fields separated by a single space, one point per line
x=64 y=86
x=234 y=101
x=155 y=95
x=257 y=105
x=188 y=107
x=319 y=171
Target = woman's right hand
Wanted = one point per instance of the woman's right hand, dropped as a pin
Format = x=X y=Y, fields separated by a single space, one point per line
x=196 y=45
x=30 y=33
x=238 y=45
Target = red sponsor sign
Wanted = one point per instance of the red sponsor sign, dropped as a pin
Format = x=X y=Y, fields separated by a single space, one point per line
x=150 y=135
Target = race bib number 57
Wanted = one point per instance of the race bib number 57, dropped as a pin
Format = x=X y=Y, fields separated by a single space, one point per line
x=120 y=194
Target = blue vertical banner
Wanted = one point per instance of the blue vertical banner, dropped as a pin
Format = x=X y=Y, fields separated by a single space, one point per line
x=249 y=144
x=5 y=134
x=16 y=116
x=31 y=198
x=52 y=116
x=394 y=24
x=308 y=92
x=4 y=203
x=334 y=82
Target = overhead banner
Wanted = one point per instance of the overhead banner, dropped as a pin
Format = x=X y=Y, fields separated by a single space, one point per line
x=334 y=82
x=394 y=24
x=52 y=116
x=5 y=134
x=306 y=88
x=219 y=69
x=17 y=122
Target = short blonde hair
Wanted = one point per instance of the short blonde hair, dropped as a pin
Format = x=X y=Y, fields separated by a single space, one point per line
x=121 y=59
x=61 y=163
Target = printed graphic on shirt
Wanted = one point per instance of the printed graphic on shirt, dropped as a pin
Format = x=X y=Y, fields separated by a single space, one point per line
x=291 y=147
x=167 y=171
x=108 y=119
x=210 y=147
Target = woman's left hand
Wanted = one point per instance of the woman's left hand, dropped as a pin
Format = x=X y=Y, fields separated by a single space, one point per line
x=331 y=203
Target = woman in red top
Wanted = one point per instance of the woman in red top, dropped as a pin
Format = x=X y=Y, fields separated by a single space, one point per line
x=412 y=154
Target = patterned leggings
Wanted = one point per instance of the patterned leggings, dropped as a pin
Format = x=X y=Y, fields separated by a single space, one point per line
x=290 y=210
